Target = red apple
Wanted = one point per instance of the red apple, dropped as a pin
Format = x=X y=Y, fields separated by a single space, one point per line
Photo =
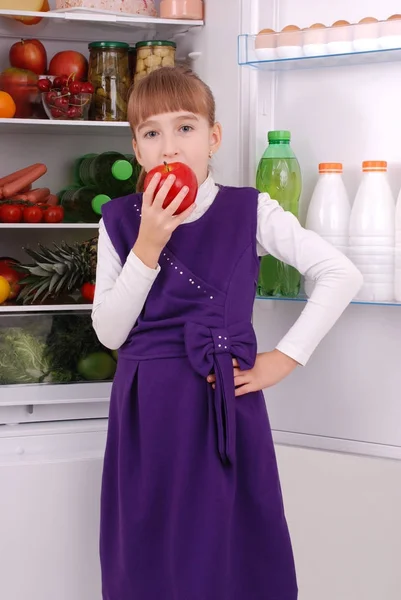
x=184 y=176
x=68 y=63
x=12 y=276
x=22 y=87
x=33 y=20
x=30 y=55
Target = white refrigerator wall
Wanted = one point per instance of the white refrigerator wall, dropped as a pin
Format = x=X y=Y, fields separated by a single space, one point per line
x=343 y=510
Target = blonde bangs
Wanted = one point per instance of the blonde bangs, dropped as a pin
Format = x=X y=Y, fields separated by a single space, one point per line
x=170 y=89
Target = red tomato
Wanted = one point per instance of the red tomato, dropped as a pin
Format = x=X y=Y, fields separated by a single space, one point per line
x=32 y=214
x=88 y=291
x=10 y=213
x=184 y=176
x=54 y=214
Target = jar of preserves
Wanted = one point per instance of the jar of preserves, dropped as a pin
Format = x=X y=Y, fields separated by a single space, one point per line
x=132 y=62
x=109 y=74
x=181 y=9
x=152 y=55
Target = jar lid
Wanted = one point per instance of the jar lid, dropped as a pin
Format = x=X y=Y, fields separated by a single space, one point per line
x=156 y=43
x=109 y=45
x=279 y=136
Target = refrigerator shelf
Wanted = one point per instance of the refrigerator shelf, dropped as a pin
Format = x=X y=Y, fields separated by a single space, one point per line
x=89 y=24
x=304 y=299
x=49 y=226
x=44 y=308
x=45 y=126
x=265 y=59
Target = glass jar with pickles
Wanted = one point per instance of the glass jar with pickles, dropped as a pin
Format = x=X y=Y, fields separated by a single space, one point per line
x=132 y=61
x=152 y=55
x=109 y=74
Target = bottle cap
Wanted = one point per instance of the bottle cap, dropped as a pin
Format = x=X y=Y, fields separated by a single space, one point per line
x=374 y=165
x=98 y=201
x=122 y=170
x=279 y=136
x=330 y=168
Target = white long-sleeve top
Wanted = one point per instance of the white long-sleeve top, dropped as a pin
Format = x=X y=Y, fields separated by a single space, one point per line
x=121 y=290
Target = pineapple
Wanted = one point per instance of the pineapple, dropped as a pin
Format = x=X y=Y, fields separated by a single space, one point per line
x=62 y=269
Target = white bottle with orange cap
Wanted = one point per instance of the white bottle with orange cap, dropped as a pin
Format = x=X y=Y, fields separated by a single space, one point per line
x=372 y=233
x=329 y=210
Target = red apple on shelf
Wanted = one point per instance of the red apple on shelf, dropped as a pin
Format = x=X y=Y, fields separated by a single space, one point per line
x=21 y=84
x=30 y=55
x=68 y=63
x=184 y=177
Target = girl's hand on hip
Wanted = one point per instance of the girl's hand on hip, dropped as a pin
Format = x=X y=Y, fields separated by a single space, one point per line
x=270 y=368
x=158 y=223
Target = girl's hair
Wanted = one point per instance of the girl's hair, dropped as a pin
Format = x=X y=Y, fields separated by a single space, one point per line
x=169 y=89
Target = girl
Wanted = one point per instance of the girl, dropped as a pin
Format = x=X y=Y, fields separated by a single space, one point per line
x=191 y=499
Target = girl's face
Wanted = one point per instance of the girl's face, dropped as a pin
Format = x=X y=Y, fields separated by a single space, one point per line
x=177 y=137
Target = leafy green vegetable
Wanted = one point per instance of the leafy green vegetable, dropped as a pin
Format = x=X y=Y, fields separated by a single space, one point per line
x=71 y=337
x=23 y=359
x=35 y=354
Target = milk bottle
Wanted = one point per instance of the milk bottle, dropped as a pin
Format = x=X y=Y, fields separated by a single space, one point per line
x=329 y=210
x=372 y=233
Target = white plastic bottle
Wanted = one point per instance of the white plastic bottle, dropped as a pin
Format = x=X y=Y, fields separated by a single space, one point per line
x=372 y=233
x=397 y=257
x=329 y=210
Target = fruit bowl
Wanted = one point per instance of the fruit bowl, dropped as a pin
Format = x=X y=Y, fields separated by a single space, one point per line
x=61 y=104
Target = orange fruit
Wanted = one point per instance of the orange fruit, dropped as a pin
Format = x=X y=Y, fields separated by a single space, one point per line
x=4 y=289
x=7 y=106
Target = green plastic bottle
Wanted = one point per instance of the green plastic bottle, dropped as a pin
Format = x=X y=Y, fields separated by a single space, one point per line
x=127 y=175
x=279 y=175
x=110 y=172
x=77 y=204
x=77 y=165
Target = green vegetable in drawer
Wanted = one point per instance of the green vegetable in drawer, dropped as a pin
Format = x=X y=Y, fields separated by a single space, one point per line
x=24 y=359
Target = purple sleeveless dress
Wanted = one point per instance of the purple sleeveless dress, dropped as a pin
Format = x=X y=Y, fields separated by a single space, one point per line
x=191 y=500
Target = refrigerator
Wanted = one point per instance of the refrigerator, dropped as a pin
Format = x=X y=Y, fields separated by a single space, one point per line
x=336 y=423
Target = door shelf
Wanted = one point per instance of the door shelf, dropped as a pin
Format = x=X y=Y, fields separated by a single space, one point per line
x=88 y=23
x=249 y=56
x=304 y=299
